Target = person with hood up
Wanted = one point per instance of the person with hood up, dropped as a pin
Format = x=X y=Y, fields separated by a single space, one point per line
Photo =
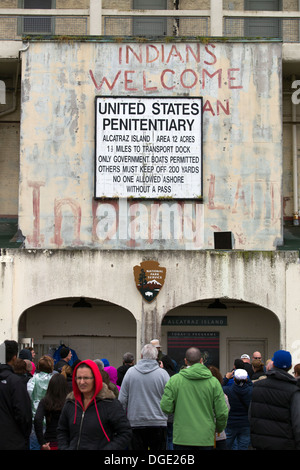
x=239 y=395
x=197 y=400
x=92 y=419
x=113 y=375
x=15 y=405
x=140 y=395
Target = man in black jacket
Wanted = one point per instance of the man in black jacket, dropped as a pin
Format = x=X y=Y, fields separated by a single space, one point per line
x=65 y=357
x=128 y=361
x=275 y=408
x=15 y=405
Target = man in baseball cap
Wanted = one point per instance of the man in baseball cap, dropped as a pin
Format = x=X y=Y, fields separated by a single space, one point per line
x=240 y=374
x=156 y=344
x=239 y=397
x=246 y=360
x=282 y=360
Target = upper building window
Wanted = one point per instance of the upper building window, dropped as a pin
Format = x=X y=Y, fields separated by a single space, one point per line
x=263 y=27
x=37 y=24
x=149 y=26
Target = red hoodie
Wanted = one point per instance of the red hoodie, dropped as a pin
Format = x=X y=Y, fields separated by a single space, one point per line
x=98 y=387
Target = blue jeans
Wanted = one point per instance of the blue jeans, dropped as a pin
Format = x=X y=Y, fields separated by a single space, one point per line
x=239 y=436
x=34 y=443
x=170 y=436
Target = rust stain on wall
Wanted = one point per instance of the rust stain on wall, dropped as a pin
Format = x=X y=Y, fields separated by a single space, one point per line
x=242 y=155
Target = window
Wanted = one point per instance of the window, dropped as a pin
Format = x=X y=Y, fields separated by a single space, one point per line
x=263 y=27
x=149 y=26
x=37 y=24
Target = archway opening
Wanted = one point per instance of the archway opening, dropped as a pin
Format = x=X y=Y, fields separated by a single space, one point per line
x=222 y=332
x=94 y=329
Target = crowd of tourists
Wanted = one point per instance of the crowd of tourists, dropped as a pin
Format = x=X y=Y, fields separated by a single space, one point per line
x=147 y=405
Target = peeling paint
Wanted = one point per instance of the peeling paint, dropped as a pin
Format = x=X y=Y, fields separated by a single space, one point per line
x=242 y=168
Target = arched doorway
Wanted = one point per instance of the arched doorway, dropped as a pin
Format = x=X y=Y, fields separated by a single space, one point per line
x=223 y=329
x=93 y=328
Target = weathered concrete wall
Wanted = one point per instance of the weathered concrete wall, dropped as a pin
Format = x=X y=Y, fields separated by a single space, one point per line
x=242 y=144
x=268 y=280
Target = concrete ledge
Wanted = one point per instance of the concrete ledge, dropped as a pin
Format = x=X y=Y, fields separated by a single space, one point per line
x=290 y=52
x=10 y=49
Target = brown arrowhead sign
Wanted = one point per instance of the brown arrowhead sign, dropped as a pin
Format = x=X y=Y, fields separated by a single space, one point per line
x=149 y=279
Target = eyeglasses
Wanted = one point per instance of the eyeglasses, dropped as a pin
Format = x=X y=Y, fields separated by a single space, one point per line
x=84 y=379
x=256 y=357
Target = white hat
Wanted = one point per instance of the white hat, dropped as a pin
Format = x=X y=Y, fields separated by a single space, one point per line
x=240 y=374
x=245 y=356
x=155 y=343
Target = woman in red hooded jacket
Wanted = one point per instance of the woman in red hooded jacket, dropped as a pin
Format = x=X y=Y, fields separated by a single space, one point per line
x=92 y=419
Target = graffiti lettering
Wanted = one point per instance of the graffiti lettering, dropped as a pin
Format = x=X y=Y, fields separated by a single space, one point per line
x=178 y=69
x=165 y=54
x=132 y=222
x=170 y=79
x=36 y=239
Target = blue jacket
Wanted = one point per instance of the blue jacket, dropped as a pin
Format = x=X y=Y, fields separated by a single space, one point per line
x=239 y=399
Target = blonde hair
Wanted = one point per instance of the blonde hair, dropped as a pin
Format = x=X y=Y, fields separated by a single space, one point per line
x=66 y=370
x=46 y=364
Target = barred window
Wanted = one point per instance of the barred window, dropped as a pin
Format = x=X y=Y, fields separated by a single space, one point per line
x=149 y=26
x=263 y=27
x=37 y=24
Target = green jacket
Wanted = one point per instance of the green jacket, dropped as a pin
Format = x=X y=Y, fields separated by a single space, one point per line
x=197 y=400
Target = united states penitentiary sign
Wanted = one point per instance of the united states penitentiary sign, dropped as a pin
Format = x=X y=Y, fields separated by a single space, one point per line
x=148 y=147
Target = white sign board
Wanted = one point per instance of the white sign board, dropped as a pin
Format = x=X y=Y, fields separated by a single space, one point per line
x=148 y=147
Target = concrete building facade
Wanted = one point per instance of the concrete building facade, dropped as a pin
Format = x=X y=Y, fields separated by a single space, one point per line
x=152 y=180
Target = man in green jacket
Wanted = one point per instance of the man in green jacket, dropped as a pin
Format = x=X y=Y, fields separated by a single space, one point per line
x=197 y=400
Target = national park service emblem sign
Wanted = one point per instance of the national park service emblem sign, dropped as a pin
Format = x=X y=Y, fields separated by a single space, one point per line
x=149 y=279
